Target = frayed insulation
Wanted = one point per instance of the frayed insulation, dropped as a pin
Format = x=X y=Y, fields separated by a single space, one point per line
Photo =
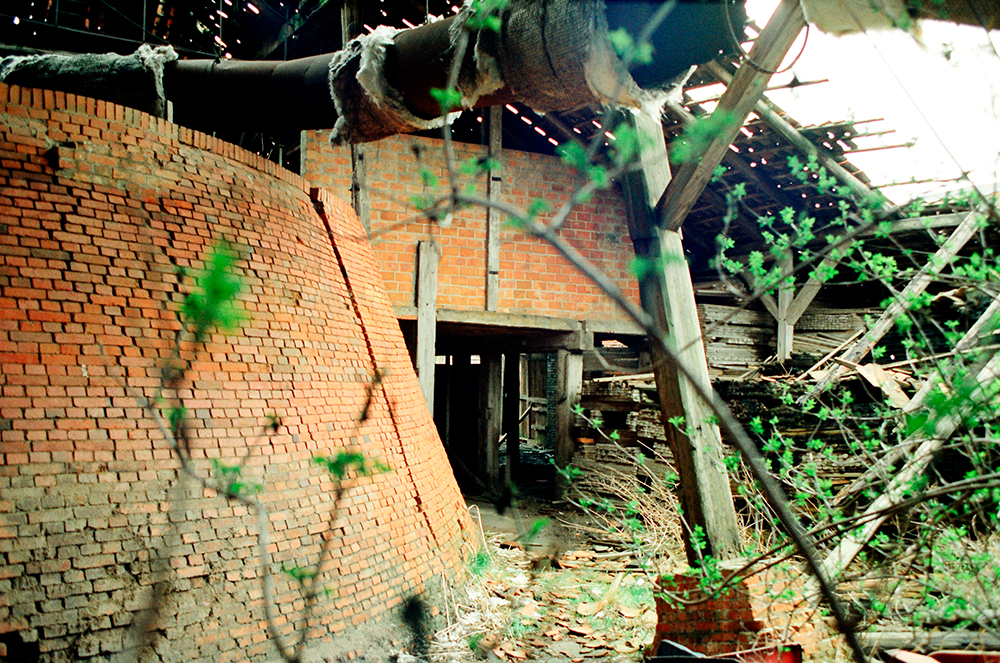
x=135 y=80
x=368 y=108
x=551 y=54
x=556 y=55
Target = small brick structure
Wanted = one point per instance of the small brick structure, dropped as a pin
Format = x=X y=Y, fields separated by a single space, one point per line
x=761 y=610
x=100 y=206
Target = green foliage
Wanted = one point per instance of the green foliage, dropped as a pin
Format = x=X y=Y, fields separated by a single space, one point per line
x=486 y=15
x=627 y=49
x=479 y=563
x=212 y=301
x=343 y=463
x=697 y=135
x=230 y=483
x=534 y=529
x=448 y=100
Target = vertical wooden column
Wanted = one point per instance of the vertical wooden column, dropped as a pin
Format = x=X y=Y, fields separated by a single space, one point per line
x=569 y=367
x=667 y=294
x=512 y=412
x=786 y=293
x=427 y=265
x=491 y=418
x=493 y=216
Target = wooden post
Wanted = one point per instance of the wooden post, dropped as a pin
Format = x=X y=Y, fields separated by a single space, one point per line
x=427 y=265
x=667 y=294
x=512 y=412
x=493 y=216
x=569 y=366
x=490 y=418
x=786 y=291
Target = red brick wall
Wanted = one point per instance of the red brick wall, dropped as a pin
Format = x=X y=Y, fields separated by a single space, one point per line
x=99 y=205
x=534 y=279
x=763 y=610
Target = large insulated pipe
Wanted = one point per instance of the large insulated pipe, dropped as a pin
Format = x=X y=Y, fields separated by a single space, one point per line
x=549 y=54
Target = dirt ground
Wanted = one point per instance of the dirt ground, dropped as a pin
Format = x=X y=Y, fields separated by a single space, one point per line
x=564 y=593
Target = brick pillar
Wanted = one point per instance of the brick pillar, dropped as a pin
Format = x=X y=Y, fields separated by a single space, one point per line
x=762 y=610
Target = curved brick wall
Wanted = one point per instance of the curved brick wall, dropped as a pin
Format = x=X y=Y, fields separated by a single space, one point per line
x=98 y=206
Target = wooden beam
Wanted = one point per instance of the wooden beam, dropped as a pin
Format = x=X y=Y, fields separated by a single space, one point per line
x=491 y=418
x=736 y=103
x=792 y=135
x=901 y=303
x=427 y=268
x=512 y=414
x=493 y=217
x=486 y=318
x=809 y=291
x=667 y=294
x=786 y=290
x=569 y=369
x=295 y=22
x=736 y=161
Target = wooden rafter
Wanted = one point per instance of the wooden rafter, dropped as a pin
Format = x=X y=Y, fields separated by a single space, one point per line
x=795 y=137
x=296 y=22
x=742 y=94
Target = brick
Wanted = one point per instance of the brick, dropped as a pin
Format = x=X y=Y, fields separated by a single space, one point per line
x=88 y=474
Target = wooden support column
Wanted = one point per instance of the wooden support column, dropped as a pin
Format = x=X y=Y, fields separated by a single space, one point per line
x=569 y=367
x=740 y=97
x=490 y=418
x=493 y=216
x=667 y=294
x=786 y=290
x=512 y=412
x=427 y=266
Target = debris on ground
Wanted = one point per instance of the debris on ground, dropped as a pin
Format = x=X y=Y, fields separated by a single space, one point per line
x=587 y=606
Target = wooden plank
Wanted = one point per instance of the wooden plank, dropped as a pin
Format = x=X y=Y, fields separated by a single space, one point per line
x=943 y=256
x=491 y=418
x=786 y=290
x=809 y=291
x=427 y=268
x=667 y=294
x=512 y=413
x=736 y=103
x=494 y=219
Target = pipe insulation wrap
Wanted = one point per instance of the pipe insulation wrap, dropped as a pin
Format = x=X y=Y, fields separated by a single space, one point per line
x=556 y=55
x=368 y=108
x=134 y=80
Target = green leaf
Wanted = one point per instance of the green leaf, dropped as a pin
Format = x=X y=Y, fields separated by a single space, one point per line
x=448 y=99
x=213 y=301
